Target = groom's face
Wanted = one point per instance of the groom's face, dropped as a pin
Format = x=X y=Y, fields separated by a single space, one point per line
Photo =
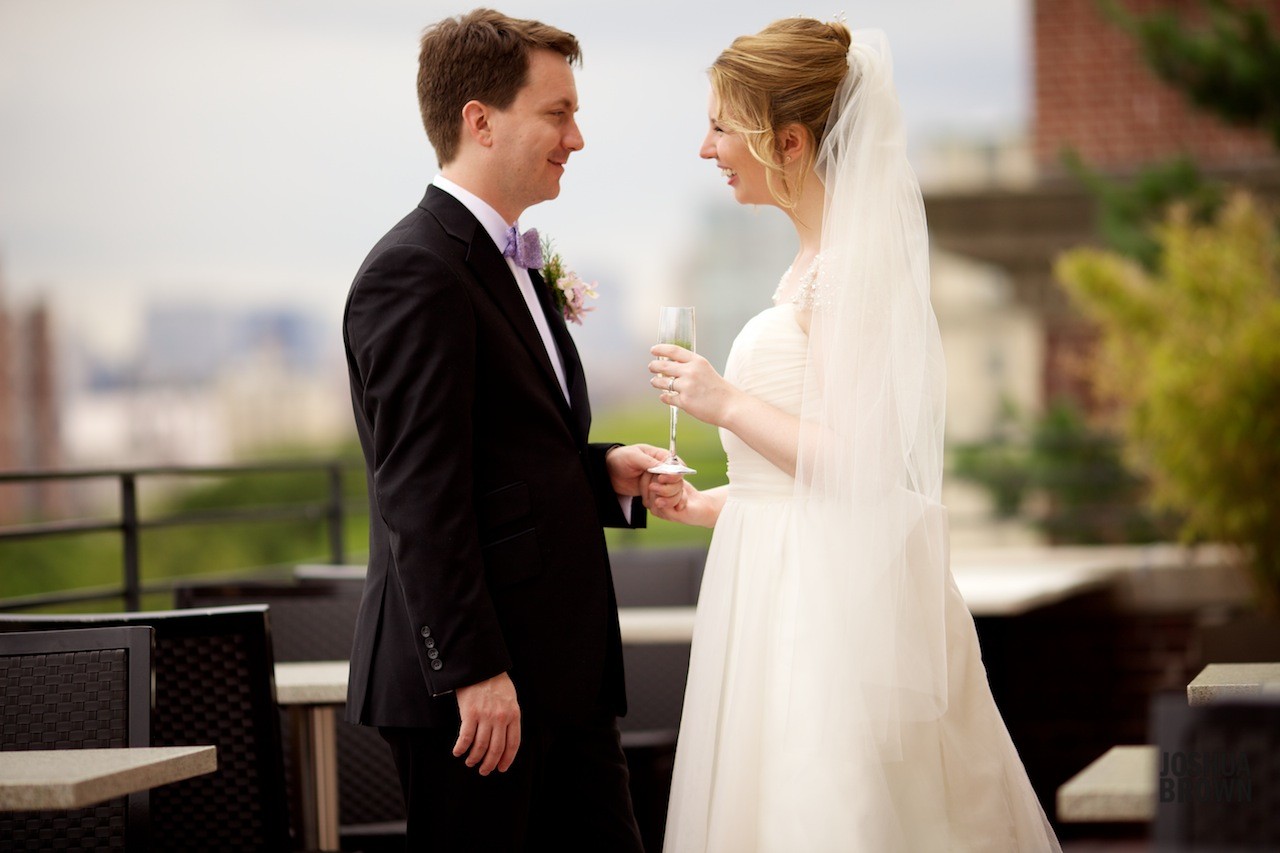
x=533 y=138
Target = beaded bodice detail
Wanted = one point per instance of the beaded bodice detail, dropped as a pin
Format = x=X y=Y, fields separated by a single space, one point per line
x=809 y=290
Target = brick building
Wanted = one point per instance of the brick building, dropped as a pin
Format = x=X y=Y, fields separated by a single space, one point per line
x=29 y=407
x=1093 y=94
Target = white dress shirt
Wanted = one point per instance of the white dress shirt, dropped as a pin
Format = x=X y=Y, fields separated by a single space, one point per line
x=497 y=228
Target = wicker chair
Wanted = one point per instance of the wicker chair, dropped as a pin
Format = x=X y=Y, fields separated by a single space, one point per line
x=80 y=689
x=315 y=621
x=214 y=684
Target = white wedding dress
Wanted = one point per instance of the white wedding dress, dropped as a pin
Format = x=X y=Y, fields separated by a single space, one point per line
x=746 y=777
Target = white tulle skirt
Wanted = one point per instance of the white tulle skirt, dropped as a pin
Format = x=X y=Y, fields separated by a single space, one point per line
x=756 y=771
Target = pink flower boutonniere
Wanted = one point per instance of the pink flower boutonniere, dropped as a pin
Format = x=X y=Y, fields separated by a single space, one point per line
x=568 y=289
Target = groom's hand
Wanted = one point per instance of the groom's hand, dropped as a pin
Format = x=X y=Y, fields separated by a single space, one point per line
x=628 y=468
x=490 y=731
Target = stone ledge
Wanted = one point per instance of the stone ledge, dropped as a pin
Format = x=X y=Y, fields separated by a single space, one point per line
x=1219 y=682
x=74 y=778
x=1119 y=787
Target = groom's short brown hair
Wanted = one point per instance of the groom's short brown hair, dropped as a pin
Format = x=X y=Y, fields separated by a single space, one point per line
x=480 y=56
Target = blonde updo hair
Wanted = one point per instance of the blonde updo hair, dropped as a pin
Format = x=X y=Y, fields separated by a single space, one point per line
x=785 y=74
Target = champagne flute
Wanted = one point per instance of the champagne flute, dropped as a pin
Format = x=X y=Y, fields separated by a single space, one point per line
x=675 y=326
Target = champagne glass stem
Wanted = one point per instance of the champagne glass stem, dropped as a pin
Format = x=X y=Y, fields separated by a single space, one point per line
x=672 y=444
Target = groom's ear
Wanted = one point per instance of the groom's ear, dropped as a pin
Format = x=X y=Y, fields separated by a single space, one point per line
x=476 y=123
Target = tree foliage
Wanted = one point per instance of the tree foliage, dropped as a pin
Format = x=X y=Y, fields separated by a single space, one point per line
x=1127 y=211
x=1191 y=352
x=1230 y=67
x=1084 y=493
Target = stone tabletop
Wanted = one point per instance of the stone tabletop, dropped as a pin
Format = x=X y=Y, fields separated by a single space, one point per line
x=312 y=683
x=642 y=625
x=75 y=778
x=1219 y=681
x=1118 y=787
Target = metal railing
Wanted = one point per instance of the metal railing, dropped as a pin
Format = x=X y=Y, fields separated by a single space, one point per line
x=129 y=524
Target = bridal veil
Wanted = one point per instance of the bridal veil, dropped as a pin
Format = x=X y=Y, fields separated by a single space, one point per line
x=873 y=571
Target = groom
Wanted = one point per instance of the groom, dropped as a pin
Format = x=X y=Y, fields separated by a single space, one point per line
x=488 y=635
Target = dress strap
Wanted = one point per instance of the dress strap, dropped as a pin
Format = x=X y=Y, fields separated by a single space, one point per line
x=809 y=290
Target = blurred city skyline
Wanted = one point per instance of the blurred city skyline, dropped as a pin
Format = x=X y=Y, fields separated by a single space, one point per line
x=249 y=154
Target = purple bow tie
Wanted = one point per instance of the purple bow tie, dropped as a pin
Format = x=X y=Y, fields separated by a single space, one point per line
x=525 y=249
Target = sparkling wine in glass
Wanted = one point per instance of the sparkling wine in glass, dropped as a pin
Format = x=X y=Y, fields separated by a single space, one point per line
x=675 y=326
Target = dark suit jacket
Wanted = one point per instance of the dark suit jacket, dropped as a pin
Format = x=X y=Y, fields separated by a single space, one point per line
x=486 y=547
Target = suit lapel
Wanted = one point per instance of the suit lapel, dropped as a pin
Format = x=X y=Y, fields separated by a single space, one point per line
x=573 y=372
x=491 y=270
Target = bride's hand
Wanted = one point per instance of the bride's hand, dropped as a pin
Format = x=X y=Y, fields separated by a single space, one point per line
x=693 y=507
x=697 y=388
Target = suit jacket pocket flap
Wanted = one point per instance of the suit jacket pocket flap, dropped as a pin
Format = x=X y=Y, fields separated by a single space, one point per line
x=512 y=559
x=501 y=507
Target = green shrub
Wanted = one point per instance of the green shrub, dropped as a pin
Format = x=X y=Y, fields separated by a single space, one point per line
x=1191 y=354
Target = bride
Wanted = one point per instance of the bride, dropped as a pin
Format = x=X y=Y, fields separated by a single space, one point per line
x=836 y=697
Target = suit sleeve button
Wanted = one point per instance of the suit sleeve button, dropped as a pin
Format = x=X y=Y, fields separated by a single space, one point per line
x=430 y=642
x=426 y=632
x=437 y=665
x=433 y=653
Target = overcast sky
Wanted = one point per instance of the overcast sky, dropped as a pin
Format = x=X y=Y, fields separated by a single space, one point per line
x=251 y=151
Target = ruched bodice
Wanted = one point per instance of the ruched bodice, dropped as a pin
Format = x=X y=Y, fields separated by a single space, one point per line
x=767 y=361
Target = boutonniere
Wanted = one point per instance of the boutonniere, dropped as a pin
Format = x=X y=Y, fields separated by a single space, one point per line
x=568 y=289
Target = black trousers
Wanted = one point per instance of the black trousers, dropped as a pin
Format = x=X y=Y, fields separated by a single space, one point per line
x=566 y=790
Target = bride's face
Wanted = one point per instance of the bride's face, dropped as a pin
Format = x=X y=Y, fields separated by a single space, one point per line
x=741 y=170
